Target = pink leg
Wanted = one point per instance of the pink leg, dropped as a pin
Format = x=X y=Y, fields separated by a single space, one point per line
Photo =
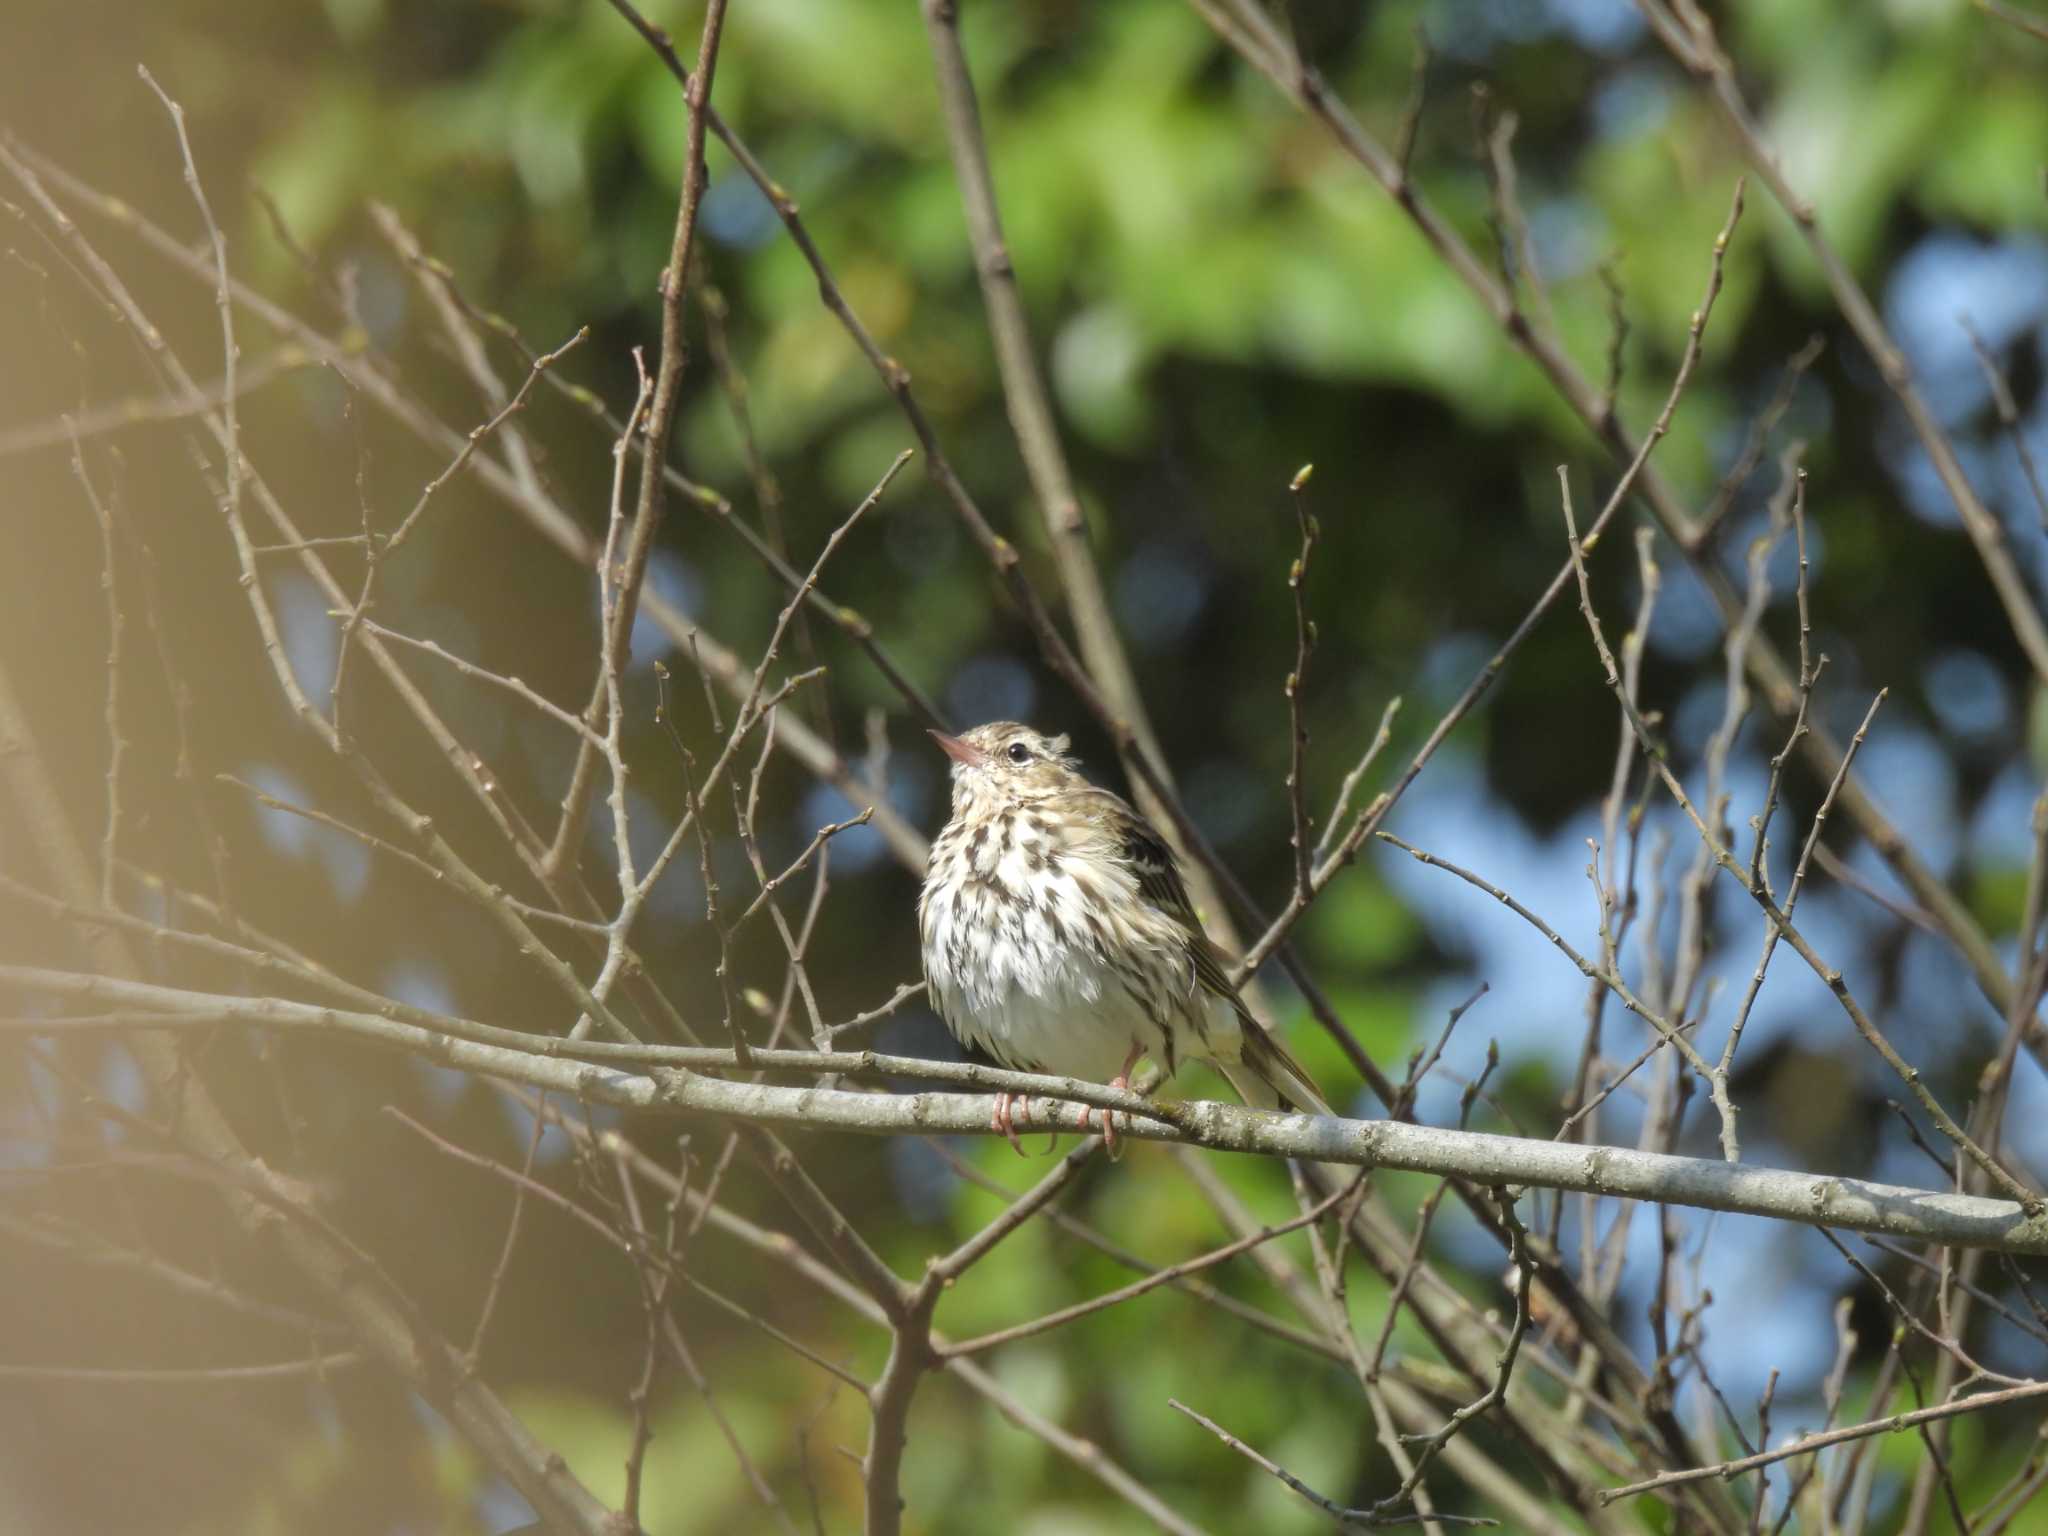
x=999 y=1120
x=1121 y=1080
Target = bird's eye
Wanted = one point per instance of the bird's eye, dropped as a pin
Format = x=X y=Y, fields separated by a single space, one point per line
x=1019 y=753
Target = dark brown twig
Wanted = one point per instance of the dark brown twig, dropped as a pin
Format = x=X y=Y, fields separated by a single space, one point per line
x=2002 y=400
x=1304 y=643
x=660 y=424
x=2033 y=26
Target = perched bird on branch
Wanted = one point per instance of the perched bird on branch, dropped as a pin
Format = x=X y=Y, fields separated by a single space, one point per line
x=1058 y=936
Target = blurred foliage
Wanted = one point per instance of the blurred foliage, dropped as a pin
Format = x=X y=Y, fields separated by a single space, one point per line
x=1219 y=296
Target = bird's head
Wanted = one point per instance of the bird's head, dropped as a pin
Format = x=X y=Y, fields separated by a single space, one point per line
x=1005 y=760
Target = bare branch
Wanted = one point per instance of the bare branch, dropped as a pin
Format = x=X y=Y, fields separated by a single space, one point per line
x=661 y=416
x=1691 y=40
x=1807 y=1445
x=1353 y=1519
x=1964 y=1221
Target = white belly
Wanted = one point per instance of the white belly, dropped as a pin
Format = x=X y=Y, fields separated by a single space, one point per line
x=1029 y=984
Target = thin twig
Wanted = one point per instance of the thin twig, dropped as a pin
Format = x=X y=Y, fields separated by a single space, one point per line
x=478 y=436
x=117 y=741
x=1758 y=439
x=1151 y=1282
x=1342 y=807
x=1808 y=1444
x=2029 y=1200
x=474 y=1354
x=1612 y=980
x=1304 y=643
x=1261 y=43
x=2001 y=398
x=2033 y=26
x=183 y=1375
x=661 y=417
x=1691 y=40
x=144 y=409
x=1356 y=1519
x=1497 y=1392
x=1365 y=825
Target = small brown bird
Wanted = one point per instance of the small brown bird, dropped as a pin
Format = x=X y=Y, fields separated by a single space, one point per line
x=1058 y=936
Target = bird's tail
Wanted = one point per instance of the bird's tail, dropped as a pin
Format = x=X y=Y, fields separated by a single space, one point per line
x=1266 y=1075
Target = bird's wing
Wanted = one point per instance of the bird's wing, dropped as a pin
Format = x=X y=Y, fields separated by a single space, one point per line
x=1160 y=882
x=1152 y=862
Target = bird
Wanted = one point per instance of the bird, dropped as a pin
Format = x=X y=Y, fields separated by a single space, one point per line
x=1058 y=936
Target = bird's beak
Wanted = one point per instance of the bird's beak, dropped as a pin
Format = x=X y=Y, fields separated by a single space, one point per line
x=960 y=751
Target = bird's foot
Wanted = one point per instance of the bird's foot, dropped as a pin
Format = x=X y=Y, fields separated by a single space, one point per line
x=1000 y=1120
x=1110 y=1142
x=1121 y=1081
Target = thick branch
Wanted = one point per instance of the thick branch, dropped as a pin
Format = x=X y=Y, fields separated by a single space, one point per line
x=1030 y=407
x=1857 y=1205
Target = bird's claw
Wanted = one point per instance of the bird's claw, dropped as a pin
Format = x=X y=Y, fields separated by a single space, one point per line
x=1000 y=1120
x=1121 y=1081
x=1109 y=1136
